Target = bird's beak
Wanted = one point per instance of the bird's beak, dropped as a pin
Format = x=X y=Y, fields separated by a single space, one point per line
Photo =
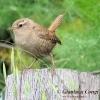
x=12 y=28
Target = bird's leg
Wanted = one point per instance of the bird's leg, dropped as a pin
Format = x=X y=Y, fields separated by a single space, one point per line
x=24 y=70
x=32 y=63
x=53 y=67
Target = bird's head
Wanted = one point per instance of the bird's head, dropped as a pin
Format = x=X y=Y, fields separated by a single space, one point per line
x=23 y=25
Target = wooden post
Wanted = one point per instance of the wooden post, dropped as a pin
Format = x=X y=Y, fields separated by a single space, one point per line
x=64 y=85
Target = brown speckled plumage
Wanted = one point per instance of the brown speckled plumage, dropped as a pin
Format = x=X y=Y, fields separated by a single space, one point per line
x=34 y=38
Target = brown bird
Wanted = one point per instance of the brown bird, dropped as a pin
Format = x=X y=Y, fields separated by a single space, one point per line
x=35 y=38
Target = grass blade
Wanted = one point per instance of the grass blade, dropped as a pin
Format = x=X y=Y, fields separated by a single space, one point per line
x=27 y=88
x=43 y=96
x=14 y=91
x=54 y=88
x=12 y=59
x=38 y=78
x=4 y=71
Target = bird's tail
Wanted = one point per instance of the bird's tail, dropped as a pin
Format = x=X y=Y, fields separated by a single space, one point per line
x=55 y=23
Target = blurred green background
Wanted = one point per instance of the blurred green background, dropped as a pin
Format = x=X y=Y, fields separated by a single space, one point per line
x=79 y=32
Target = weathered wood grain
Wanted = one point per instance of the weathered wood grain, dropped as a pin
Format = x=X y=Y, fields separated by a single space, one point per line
x=69 y=85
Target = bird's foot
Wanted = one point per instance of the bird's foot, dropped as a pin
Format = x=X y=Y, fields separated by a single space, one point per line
x=53 y=69
x=25 y=70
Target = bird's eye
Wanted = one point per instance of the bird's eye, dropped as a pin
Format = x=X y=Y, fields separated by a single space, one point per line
x=20 y=25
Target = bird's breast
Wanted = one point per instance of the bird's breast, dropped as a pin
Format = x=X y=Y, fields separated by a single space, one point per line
x=35 y=45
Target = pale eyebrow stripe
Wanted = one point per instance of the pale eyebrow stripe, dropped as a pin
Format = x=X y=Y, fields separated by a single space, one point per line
x=23 y=22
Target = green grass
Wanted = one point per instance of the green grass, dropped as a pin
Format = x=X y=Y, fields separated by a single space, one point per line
x=79 y=30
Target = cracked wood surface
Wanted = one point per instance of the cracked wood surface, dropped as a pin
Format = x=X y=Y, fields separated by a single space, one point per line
x=68 y=84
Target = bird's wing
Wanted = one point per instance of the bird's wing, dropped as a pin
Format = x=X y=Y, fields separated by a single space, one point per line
x=43 y=33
